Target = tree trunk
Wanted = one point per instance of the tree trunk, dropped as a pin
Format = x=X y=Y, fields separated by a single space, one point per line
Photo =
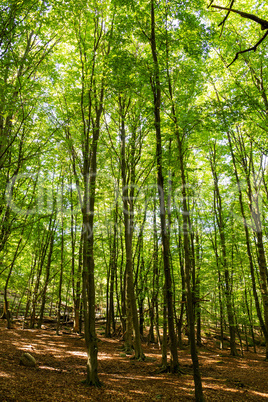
x=43 y=303
x=164 y=363
x=77 y=288
x=221 y=228
x=7 y=313
x=190 y=306
x=90 y=171
x=260 y=247
x=110 y=319
x=156 y=89
x=197 y=294
x=127 y=195
x=61 y=277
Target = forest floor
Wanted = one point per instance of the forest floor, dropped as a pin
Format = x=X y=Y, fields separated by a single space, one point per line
x=61 y=368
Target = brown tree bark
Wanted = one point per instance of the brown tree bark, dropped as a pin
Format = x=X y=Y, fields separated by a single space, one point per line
x=248 y=242
x=110 y=314
x=156 y=90
x=221 y=228
x=48 y=264
x=199 y=396
x=128 y=211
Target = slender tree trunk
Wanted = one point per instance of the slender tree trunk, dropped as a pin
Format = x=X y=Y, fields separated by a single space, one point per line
x=123 y=309
x=90 y=170
x=249 y=253
x=190 y=306
x=43 y=302
x=60 y=282
x=131 y=305
x=42 y=252
x=250 y=320
x=221 y=309
x=197 y=294
x=256 y=219
x=76 y=276
x=164 y=362
x=155 y=290
x=183 y=288
x=7 y=313
x=221 y=228
x=30 y=287
x=156 y=89
x=77 y=287
x=110 y=319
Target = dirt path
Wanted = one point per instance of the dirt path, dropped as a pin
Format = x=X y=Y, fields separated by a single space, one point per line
x=61 y=363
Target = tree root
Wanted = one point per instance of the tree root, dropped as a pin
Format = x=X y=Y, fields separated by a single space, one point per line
x=96 y=384
x=167 y=369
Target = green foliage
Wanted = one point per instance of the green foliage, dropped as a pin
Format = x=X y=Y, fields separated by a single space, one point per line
x=57 y=59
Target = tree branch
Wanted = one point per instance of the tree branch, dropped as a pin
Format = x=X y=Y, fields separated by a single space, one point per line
x=254 y=48
x=225 y=18
x=262 y=22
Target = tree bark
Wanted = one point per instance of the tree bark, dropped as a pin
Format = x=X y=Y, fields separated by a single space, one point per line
x=43 y=303
x=220 y=224
x=248 y=243
x=127 y=195
x=199 y=396
x=156 y=89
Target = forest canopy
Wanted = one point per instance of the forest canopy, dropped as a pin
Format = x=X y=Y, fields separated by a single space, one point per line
x=133 y=169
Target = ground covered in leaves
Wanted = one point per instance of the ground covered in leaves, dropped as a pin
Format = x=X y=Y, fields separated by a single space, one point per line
x=61 y=368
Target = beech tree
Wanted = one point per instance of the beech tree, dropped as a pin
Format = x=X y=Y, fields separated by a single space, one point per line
x=133 y=160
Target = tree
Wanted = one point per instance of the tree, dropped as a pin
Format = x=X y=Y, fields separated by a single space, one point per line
x=156 y=91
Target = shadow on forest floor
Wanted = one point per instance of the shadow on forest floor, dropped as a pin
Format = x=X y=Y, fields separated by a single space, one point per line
x=61 y=366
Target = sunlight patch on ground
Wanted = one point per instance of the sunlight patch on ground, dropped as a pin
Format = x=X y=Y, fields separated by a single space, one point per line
x=208 y=360
x=83 y=397
x=78 y=354
x=233 y=390
x=108 y=340
x=258 y=393
x=117 y=377
x=5 y=375
x=208 y=379
x=37 y=348
x=110 y=379
x=186 y=389
x=58 y=356
x=49 y=368
x=138 y=392
x=104 y=356
x=25 y=347
x=224 y=389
